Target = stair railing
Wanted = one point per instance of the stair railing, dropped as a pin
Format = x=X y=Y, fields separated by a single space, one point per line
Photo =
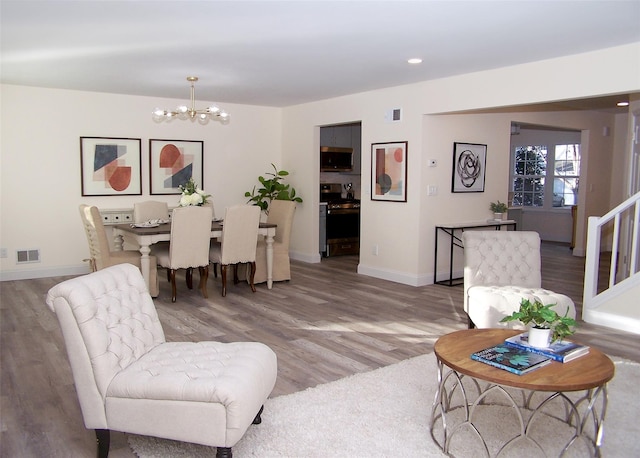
x=622 y=222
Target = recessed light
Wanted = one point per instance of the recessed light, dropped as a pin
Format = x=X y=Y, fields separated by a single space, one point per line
x=623 y=104
x=415 y=60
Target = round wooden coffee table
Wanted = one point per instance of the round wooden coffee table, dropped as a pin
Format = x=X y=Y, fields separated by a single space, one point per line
x=573 y=393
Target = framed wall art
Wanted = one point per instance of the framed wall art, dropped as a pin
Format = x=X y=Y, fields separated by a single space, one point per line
x=172 y=163
x=389 y=171
x=469 y=167
x=110 y=166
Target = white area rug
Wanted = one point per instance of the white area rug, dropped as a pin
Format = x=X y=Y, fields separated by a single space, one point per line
x=383 y=413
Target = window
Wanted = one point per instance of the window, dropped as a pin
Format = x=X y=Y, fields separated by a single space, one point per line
x=532 y=165
x=566 y=175
x=530 y=169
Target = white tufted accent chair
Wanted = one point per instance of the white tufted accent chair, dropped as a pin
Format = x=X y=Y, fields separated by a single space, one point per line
x=129 y=379
x=501 y=268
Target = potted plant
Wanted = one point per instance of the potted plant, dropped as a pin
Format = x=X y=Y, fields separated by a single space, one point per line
x=546 y=324
x=498 y=208
x=272 y=188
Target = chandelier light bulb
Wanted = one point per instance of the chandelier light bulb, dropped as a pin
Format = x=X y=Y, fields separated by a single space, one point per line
x=183 y=112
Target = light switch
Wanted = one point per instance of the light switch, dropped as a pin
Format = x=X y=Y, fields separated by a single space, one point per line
x=432 y=190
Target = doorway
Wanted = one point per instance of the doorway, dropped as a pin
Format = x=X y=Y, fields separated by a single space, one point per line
x=544 y=181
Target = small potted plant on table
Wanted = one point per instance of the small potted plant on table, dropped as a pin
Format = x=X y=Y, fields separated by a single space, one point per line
x=498 y=208
x=546 y=325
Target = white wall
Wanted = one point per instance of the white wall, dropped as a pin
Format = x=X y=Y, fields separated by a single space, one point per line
x=40 y=156
x=404 y=231
x=41 y=164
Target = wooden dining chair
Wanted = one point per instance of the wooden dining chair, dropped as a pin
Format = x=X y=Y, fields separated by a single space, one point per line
x=100 y=253
x=281 y=214
x=238 y=242
x=150 y=210
x=188 y=245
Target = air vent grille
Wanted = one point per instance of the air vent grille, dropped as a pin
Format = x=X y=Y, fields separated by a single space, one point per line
x=26 y=256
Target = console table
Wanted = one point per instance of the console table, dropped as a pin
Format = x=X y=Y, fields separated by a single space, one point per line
x=456 y=241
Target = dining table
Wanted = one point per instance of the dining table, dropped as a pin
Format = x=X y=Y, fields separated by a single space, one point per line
x=144 y=237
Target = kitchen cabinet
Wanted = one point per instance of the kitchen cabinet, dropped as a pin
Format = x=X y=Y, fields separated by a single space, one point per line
x=356 y=135
x=336 y=136
x=346 y=136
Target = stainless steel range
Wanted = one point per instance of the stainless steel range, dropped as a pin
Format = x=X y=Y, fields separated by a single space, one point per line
x=341 y=220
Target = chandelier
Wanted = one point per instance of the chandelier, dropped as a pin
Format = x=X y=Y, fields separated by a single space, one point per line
x=183 y=112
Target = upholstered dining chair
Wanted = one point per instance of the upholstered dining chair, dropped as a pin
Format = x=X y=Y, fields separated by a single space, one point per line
x=150 y=210
x=100 y=253
x=188 y=246
x=281 y=214
x=238 y=242
x=128 y=378
x=501 y=268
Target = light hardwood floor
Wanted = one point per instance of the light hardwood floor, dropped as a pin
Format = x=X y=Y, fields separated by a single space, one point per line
x=325 y=324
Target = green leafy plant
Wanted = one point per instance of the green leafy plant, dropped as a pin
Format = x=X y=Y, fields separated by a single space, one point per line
x=542 y=316
x=271 y=188
x=498 y=207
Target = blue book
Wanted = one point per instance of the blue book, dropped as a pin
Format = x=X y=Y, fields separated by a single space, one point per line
x=561 y=350
x=511 y=359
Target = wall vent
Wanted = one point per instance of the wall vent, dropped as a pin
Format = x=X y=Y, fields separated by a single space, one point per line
x=393 y=115
x=26 y=256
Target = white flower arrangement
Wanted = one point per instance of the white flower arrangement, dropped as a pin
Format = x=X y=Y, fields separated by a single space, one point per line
x=192 y=194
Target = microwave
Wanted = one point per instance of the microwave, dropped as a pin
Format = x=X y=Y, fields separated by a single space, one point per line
x=336 y=159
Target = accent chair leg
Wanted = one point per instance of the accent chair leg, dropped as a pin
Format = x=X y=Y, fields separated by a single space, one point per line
x=224 y=452
x=103 y=438
x=258 y=419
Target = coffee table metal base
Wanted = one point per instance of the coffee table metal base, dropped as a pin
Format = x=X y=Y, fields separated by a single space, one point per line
x=461 y=408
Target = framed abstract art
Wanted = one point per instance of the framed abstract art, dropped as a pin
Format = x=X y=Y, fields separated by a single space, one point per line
x=172 y=163
x=110 y=166
x=389 y=171
x=469 y=167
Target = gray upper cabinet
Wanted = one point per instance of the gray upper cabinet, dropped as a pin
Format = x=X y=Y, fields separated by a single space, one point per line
x=345 y=136
x=336 y=136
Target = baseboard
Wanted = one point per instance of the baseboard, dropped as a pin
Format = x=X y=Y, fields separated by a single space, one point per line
x=305 y=257
x=66 y=271
x=391 y=275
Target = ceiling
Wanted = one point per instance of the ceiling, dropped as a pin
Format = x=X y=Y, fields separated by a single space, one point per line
x=276 y=53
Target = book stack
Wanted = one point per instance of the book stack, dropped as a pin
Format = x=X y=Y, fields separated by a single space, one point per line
x=518 y=357
x=511 y=359
x=561 y=350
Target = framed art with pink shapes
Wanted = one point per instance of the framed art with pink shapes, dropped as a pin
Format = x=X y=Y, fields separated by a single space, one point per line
x=110 y=166
x=172 y=163
x=389 y=171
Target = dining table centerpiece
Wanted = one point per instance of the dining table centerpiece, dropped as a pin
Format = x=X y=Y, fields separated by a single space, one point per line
x=192 y=195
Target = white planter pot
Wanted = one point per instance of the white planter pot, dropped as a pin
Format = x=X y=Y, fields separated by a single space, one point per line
x=539 y=338
x=497 y=216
